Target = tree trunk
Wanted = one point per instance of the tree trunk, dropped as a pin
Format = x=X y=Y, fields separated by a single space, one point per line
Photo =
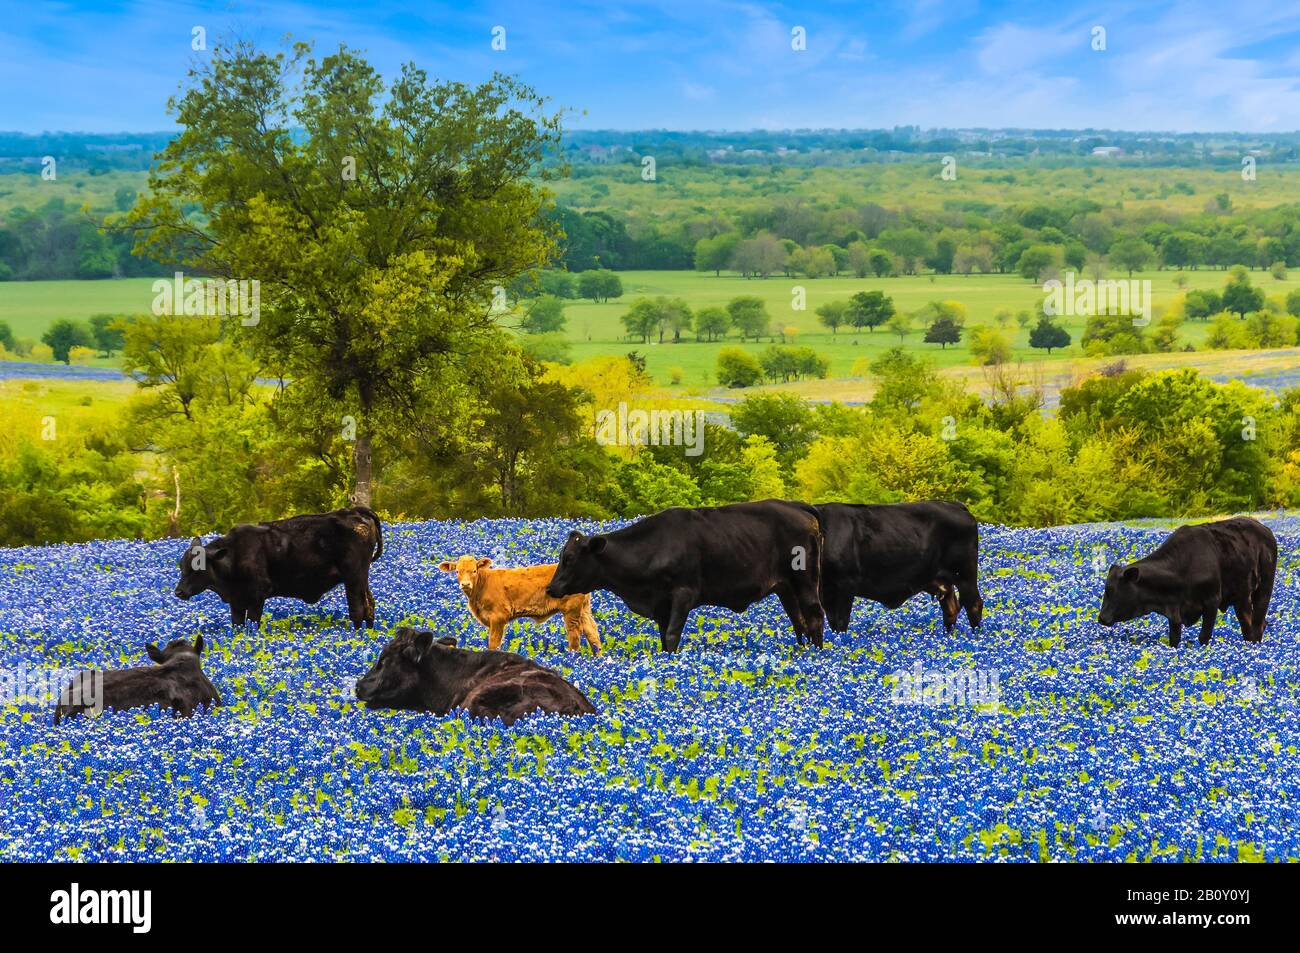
x=174 y=518
x=361 y=462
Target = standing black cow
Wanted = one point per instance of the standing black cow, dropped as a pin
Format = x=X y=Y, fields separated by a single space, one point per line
x=1194 y=574
x=890 y=552
x=303 y=557
x=417 y=672
x=176 y=681
x=667 y=564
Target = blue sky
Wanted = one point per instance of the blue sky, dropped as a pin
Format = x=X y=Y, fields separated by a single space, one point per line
x=700 y=64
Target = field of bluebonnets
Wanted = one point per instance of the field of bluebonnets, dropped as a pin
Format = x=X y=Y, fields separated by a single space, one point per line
x=1103 y=744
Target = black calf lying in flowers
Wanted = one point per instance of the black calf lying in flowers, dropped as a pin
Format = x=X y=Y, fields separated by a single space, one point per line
x=417 y=672
x=175 y=681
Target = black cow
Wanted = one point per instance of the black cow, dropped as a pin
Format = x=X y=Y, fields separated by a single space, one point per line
x=303 y=557
x=667 y=564
x=417 y=672
x=888 y=552
x=1194 y=574
x=176 y=681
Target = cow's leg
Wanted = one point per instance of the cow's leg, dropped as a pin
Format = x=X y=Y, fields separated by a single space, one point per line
x=1207 y=623
x=1245 y=612
x=238 y=613
x=573 y=629
x=1175 y=627
x=945 y=589
x=968 y=594
x=496 y=633
x=838 y=608
x=1259 y=601
x=589 y=627
x=670 y=628
x=370 y=606
x=968 y=586
x=356 y=595
x=814 y=619
x=791 y=606
x=255 y=611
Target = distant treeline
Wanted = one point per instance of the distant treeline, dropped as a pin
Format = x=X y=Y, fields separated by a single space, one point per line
x=59 y=241
x=783 y=232
x=135 y=150
x=132 y=151
x=793 y=235
x=788 y=235
x=839 y=146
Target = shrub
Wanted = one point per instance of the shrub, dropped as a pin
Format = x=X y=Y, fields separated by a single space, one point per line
x=738 y=368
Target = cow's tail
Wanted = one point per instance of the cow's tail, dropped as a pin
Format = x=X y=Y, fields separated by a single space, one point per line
x=371 y=515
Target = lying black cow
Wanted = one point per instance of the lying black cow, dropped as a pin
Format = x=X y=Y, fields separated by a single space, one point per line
x=303 y=557
x=176 y=681
x=1194 y=574
x=667 y=564
x=417 y=672
x=890 y=552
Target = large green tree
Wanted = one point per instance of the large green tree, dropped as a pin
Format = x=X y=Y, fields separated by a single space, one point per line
x=381 y=222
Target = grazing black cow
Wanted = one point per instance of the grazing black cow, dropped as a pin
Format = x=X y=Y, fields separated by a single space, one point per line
x=1194 y=574
x=303 y=557
x=667 y=564
x=417 y=672
x=176 y=681
x=888 y=552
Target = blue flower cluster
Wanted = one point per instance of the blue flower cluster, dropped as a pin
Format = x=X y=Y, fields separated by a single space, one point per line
x=80 y=372
x=1096 y=744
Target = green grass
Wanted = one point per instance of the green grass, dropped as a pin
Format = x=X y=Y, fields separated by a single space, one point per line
x=595 y=329
x=26 y=401
x=76 y=188
x=30 y=306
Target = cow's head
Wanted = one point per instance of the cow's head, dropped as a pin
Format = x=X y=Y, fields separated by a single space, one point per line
x=397 y=679
x=177 y=648
x=466 y=569
x=199 y=566
x=579 y=566
x=1124 y=598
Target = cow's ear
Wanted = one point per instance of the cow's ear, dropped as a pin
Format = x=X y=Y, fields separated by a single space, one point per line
x=595 y=544
x=155 y=653
x=484 y=563
x=419 y=647
x=198 y=645
x=196 y=541
x=448 y=640
x=447 y=566
x=1131 y=574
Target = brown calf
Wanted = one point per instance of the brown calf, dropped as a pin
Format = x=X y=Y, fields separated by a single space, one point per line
x=499 y=596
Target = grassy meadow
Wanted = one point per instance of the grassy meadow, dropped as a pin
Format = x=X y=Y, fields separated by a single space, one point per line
x=595 y=329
